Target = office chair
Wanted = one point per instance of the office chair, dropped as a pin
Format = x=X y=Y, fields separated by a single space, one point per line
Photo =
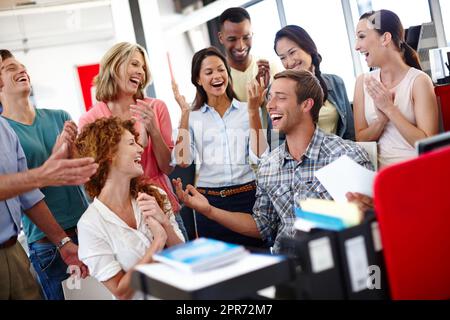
x=412 y=202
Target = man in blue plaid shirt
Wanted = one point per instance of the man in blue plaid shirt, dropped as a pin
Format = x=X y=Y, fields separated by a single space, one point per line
x=294 y=103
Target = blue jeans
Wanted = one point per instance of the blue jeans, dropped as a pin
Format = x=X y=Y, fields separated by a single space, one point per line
x=50 y=268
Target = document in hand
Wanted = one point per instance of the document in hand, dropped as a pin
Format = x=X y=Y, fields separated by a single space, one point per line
x=345 y=175
x=201 y=254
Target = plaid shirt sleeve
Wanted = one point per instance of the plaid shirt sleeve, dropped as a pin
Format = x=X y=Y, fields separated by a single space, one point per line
x=361 y=157
x=266 y=218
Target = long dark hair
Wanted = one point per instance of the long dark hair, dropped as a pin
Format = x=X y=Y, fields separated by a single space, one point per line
x=387 y=21
x=201 y=97
x=305 y=42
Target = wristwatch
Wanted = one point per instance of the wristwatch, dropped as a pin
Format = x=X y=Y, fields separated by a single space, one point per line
x=62 y=242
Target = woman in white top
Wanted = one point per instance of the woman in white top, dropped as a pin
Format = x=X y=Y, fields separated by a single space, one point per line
x=394 y=105
x=216 y=133
x=129 y=219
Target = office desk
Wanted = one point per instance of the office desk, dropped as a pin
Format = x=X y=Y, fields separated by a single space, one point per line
x=235 y=281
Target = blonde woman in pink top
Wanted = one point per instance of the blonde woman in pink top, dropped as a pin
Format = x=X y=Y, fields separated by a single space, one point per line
x=120 y=86
x=394 y=105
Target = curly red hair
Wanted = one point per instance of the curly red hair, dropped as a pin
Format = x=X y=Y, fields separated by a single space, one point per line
x=100 y=140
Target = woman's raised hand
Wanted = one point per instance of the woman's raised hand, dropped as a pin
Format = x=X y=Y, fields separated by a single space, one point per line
x=181 y=100
x=256 y=92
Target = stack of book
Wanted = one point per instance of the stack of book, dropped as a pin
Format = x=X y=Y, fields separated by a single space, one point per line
x=201 y=254
x=326 y=214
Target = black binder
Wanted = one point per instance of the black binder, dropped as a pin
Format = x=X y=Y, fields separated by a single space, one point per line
x=357 y=256
x=361 y=246
x=318 y=269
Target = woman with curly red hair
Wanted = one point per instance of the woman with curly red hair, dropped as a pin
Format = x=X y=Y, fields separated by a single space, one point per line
x=129 y=220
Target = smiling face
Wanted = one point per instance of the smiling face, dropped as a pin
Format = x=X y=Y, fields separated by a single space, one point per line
x=237 y=40
x=128 y=157
x=132 y=74
x=213 y=76
x=14 y=78
x=284 y=110
x=369 y=43
x=292 y=56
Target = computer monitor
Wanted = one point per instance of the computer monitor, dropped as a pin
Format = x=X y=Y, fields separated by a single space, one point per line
x=412 y=35
x=427 y=41
x=440 y=65
x=433 y=143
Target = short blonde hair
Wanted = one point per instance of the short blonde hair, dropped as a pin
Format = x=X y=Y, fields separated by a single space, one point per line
x=116 y=57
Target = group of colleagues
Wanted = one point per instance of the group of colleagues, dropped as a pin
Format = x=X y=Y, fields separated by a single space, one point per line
x=257 y=137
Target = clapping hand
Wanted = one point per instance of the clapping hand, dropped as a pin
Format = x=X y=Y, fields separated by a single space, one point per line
x=60 y=171
x=143 y=112
x=154 y=218
x=263 y=72
x=382 y=97
x=67 y=136
x=150 y=208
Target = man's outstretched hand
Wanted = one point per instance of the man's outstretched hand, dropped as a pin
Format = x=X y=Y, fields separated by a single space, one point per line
x=191 y=197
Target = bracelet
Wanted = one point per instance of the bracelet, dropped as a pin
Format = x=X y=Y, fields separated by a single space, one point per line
x=62 y=242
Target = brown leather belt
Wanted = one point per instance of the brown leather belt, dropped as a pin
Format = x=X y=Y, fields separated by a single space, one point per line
x=70 y=232
x=8 y=243
x=228 y=191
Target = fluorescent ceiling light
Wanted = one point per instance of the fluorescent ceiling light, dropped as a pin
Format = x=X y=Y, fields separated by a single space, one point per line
x=36 y=9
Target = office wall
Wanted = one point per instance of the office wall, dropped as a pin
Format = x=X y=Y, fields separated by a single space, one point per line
x=157 y=19
x=53 y=74
x=52 y=67
x=52 y=63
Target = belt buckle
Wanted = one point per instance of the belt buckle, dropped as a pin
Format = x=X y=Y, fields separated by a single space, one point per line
x=222 y=193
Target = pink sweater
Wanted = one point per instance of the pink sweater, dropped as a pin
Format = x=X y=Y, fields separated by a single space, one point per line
x=149 y=163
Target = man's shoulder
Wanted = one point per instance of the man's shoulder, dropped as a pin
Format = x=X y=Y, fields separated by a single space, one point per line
x=53 y=113
x=334 y=147
x=7 y=134
x=333 y=144
x=4 y=125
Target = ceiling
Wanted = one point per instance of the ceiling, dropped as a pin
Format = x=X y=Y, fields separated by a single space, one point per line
x=19 y=4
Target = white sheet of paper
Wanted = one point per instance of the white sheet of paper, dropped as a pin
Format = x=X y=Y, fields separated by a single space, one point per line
x=345 y=175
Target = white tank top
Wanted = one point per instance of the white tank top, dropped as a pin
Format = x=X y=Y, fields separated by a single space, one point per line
x=392 y=147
